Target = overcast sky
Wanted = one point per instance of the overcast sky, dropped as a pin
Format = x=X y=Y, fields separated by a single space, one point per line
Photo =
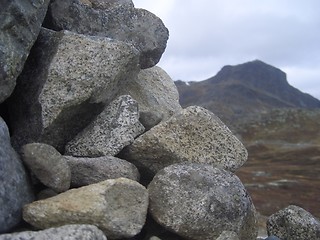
x=205 y=35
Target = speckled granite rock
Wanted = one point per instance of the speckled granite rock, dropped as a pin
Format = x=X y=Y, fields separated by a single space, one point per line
x=200 y=201
x=113 y=129
x=67 y=81
x=118 y=19
x=116 y=206
x=156 y=94
x=293 y=223
x=194 y=135
x=67 y=232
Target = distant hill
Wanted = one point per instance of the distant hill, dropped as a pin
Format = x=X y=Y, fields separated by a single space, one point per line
x=243 y=90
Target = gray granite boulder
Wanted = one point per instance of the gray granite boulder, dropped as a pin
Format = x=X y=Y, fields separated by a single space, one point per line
x=20 y=23
x=67 y=81
x=116 y=206
x=293 y=223
x=194 y=135
x=113 y=129
x=156 y=94
x=117 y=19
x=48 y=165
x=15 y=189
x=200 y=201
x=86 y=171
x=67 y=232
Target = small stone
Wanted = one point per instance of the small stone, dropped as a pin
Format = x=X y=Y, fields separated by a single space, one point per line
x=48 y=166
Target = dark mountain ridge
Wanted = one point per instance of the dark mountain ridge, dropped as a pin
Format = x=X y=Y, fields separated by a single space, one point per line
x=244 y=89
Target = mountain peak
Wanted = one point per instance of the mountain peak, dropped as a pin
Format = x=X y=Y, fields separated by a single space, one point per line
x=255 y=74
x=245 y=88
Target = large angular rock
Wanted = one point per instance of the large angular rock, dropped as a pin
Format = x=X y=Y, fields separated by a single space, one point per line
x=194 y=135
x=67 y=232
x=156 y=94
x=112 y=130
x=293 y=223
x=116 y=19
x=67 y=81
x=200 y=201
x=86 y=171
x=15 y=189
x=117 y=206
x=20 y=23
x=48 y=166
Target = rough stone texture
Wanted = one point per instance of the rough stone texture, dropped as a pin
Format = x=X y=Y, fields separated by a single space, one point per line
x=86 y=171
x=117 y=206
x=156 y=94
x=112 y=130
x=48 y=165
x=193 y=135
x=67 y=232
x=200 y=201
x=228 y=235
x=20 y=23
x=67 y=81
x=145 y=31
x=15 y=190
x=293 y=223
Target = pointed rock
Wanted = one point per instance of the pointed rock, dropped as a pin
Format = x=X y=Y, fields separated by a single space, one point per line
x=117 y=206
x=194 y=135
x=68 y=79
x=86 y=171
x=15 y=190
x=113 y=129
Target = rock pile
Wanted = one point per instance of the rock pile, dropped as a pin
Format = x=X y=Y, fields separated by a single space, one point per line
x=91 y=116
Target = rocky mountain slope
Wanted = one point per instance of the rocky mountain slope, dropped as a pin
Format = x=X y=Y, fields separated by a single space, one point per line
x=244 y=89
x=278 y=124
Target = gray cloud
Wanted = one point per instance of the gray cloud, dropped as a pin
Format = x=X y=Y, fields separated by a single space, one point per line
x=206 y=35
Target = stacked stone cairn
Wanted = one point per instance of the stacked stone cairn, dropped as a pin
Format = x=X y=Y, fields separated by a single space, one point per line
x=99 y=146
